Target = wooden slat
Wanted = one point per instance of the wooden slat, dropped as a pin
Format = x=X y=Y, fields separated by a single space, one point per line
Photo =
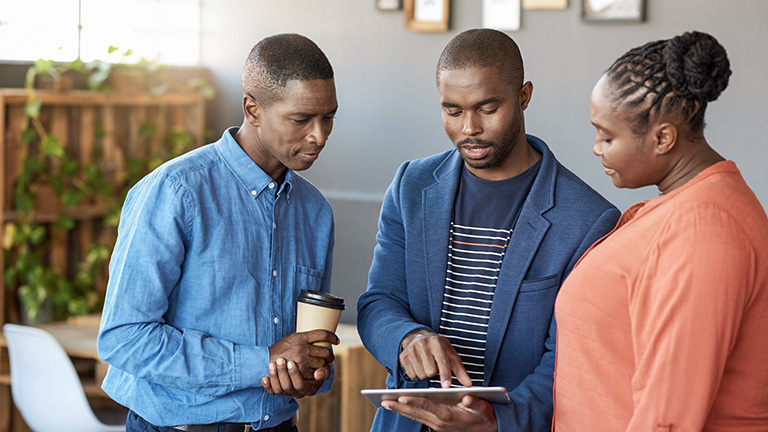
x=114 y=162
x=14 y=153
x=136 y=117
x=85 y=157
x=84 y=97
x=60 y=239
x=158 y=116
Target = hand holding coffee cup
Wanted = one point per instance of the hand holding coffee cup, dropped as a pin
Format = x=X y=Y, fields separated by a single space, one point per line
x=318 y=310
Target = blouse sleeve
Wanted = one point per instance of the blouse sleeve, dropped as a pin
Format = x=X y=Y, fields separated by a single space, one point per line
x=685 y=307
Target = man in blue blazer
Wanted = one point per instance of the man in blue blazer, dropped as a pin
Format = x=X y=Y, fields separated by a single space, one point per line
x=473 y=245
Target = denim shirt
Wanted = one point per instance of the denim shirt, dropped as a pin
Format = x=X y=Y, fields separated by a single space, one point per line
x=210 y=257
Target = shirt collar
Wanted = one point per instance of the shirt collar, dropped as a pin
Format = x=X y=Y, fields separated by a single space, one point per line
x=251 y=176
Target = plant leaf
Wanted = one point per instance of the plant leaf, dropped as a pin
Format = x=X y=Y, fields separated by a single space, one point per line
x=51 y=146
x=64 y=223
x=32 y=108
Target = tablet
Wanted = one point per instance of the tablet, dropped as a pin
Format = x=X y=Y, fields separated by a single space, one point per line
x=451 y=395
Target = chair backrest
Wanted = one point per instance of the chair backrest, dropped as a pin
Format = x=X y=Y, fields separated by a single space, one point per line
x=44 y=384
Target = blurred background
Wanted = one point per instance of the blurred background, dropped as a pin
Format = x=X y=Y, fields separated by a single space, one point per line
x=385 y=76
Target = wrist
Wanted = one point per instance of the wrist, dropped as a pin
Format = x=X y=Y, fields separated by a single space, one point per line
x=410 y=337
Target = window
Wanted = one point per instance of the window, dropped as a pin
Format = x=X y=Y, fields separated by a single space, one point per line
x=63 y=30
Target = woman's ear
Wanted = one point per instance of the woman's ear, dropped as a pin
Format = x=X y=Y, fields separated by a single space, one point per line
x=251 y=110
x=665 y=138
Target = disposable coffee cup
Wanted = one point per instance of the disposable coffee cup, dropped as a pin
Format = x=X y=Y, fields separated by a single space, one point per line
x=318 y=310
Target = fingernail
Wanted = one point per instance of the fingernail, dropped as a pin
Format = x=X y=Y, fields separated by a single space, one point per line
x=446 y=384
x=290 y=365
x=385 y=405
x=271 y=367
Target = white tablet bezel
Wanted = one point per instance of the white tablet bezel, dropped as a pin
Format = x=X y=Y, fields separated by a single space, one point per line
x=451 y=395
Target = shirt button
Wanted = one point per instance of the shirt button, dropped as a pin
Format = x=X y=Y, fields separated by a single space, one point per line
x=266 y=417
x=274 y=225
x=277 y=320
x=271 y=185
x=274 y=273
x=253 y=192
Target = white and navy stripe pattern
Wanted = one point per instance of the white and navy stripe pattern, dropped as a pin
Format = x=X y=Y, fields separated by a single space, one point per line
x=474 y=261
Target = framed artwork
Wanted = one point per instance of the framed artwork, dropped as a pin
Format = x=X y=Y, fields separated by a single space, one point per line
x=427 y=15
x=545 y=4
x=389 y=4
x=501 y=14
x=613 y=10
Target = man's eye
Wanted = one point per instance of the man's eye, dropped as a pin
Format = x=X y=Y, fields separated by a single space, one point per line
x=489 y=111
x=300 y=121
x=453 y=113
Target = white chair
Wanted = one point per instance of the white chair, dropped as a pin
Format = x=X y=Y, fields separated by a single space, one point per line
x=45 y=386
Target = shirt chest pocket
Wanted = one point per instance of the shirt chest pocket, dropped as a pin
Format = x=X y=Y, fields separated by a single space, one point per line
x=306 y=278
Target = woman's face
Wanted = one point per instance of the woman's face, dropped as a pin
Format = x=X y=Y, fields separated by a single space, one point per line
x=628 y=158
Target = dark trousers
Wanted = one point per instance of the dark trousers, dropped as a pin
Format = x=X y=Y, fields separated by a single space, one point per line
x=136 y=423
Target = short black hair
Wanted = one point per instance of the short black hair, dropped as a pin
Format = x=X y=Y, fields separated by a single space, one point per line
x=680 y=75
x=278 y=59
x=477 y=48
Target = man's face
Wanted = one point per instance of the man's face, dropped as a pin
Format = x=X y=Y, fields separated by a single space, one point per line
x=483 y=116
x=293 y=130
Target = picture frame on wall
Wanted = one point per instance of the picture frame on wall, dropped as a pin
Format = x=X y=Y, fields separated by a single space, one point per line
x=613 y=10
x=388 y=5
x=501 y=15
x=427 y=15
x=545 y=4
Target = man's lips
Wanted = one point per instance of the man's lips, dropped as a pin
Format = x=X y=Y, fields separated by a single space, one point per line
x=609 y=171
x=475 y=152
x=475 y=149
x=309 y=156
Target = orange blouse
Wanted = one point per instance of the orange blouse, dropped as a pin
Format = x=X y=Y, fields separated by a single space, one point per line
x=663 y=323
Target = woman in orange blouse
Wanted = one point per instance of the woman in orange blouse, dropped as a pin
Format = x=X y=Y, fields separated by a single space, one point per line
x=663 y=324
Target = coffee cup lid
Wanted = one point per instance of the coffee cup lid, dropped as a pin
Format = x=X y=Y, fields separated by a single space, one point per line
x=320 y=298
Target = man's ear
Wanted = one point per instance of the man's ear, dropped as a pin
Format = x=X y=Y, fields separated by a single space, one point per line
x=665 y=138
x=526 y=91
x=252 y=110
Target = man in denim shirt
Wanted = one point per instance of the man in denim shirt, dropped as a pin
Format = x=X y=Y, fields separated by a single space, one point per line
x=213 y=248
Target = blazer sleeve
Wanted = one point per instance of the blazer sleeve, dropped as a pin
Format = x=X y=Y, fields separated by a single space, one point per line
x=383 y=310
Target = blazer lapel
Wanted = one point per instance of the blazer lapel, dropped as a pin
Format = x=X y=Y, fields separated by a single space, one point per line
x=525 y=240
x=527 y=236
x=436 y=219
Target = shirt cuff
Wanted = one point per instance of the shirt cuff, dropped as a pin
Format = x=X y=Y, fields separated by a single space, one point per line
x=252 y=364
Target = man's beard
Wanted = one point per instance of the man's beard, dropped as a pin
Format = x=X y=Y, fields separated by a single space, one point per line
x=498 y=151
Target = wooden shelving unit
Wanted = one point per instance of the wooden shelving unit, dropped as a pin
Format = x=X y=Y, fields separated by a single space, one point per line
x=93 y=127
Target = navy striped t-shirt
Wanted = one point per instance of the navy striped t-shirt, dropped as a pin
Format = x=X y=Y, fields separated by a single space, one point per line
x=484 y=215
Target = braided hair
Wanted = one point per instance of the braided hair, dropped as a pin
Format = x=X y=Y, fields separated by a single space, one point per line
x=673 y=76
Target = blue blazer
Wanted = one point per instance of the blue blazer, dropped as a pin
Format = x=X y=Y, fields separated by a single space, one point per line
x=562 y=216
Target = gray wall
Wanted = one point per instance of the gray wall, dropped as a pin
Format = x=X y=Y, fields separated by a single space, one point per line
x=389 y=109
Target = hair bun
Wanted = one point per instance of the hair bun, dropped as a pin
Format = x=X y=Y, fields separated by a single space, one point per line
x=697 y=66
